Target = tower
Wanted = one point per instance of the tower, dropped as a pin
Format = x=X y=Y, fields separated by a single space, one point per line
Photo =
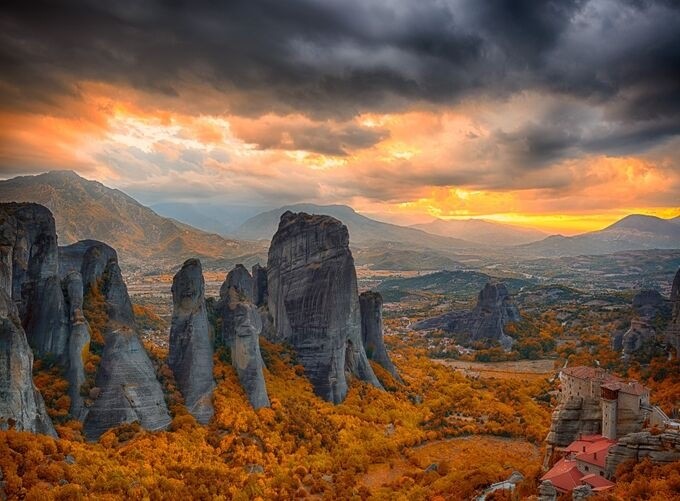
x=609 y=399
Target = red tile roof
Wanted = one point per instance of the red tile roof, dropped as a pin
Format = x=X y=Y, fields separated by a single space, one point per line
x=597 y=482
x=632 y=388
x=564 y=475
x=589 y=449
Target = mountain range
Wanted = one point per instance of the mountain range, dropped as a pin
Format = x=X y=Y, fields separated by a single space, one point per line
x=85 y=209
x=363 y=231
x=633 y=232
x=482 y=232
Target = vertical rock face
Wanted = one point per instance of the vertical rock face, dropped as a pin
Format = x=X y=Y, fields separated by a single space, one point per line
x=241 y=329
x=191 y=348
x=313 y=300
x=245 y=353
x=372 y=331
x=36 y=288
x=126 y=385
x=259 y=285
x=660 y=448
x=486 y=321
x=641 y=336
x=79 y=341
x=240 y=280
x=673 y=331
x=21 y=405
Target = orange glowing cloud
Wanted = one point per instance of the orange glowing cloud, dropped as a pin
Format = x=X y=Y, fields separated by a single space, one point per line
x=469 y=160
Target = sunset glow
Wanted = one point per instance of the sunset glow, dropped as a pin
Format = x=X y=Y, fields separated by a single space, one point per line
x=532 y=156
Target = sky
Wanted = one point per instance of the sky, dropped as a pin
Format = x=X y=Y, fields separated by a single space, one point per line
x=561 y=115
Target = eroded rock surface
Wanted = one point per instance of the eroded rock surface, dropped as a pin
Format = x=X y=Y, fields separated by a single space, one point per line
x=659 y=448
x=245 y=353
x=485 y=322
x=371 y=304
x=191 y=347
x=313 y=300
x=240 y=280
x=126 y=385
x=648 y=307
x=79 y=341
x=259 y=285
x=36 y=287
x=572 y=417
x=21 y=405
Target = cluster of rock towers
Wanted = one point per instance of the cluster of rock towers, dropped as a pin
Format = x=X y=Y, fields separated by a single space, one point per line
x=306 y=297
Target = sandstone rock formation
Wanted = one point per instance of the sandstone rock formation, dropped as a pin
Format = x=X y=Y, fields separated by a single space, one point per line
x=486 y=321
x=191 y=348
x=660 y=448
x=79 y=341
x=673 y=330
x=259 y=285
x=245 y=353
x=573 y=417
x=641 y=335
x=372 y=331
x=241 y=329
x=313 y=300
x=36 y=288
x=21 y=405
x=241 y=281
x=126 y=385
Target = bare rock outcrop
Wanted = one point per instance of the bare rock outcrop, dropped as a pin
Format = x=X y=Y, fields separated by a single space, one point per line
x=21 y=405
x=245 y=353
x=79 y=341
x=125 y=384
x=314 y=303
x=36 y=287
x=658 y=447
x=191 y=347
x=371 y=304
x=572 y=417
x=641 y=336
x=241 y=329
x=259 y=274
x=240 y=280
x=485 y=322
x=673 y=330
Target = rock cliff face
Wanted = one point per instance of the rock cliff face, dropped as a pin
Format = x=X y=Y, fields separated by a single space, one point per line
x=313 y=300
x=241 y=329
x=240 y=280
x=486 y=321
x=245 y=353
x=191 y=348
x=36 y=288
x=126 y=386
x=641 y=335
x=661 y=448
x=259 y=285
x=372 y=331
x=79 y=341
x=21 y=405
x=673 y=331
x=572 y=417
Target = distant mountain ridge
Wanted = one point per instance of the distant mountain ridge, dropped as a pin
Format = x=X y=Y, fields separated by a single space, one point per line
x=363 y=231
x=482 y=231
x=633 y=232
x=85 y=209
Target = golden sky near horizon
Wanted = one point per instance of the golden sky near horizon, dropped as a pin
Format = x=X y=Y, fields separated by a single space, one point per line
x=404 y=122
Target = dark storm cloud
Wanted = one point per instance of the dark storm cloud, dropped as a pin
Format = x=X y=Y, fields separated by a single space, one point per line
x=340 y=58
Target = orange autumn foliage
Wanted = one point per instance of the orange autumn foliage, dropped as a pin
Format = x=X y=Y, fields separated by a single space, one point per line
x=300 y=446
